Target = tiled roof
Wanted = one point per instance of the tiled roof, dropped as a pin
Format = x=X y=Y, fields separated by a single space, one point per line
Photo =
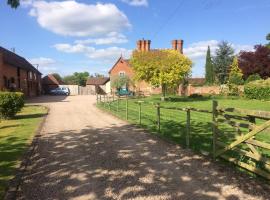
x=51 y=80
x=16 y=60
x=97 y=81
x=122 y=60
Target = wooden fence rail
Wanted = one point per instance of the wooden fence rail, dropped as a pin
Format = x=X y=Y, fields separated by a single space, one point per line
x=246 y=145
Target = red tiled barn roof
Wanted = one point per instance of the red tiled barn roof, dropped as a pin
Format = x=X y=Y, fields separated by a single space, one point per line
x=97 y=81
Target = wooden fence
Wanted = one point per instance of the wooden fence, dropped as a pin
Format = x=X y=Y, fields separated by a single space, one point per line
x=234 y=132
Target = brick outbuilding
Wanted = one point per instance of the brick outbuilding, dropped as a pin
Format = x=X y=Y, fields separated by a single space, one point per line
x=17 y=74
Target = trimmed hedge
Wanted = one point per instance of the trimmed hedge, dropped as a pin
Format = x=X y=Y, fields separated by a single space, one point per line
x=10 y=104
x=259 y=89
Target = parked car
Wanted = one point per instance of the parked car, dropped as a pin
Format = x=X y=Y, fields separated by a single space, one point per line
x=60 y=91
x=124 y=92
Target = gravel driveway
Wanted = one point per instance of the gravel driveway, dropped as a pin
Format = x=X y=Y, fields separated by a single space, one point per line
x=84 y=154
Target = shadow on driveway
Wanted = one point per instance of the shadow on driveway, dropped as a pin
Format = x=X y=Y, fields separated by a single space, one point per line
x=123 y=162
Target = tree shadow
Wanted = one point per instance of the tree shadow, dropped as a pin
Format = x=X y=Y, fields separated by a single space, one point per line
x=125 y=162
x=47 y=99
x=28 y=116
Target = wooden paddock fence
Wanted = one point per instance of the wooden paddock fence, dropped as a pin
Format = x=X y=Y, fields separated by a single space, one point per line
x=239 y=145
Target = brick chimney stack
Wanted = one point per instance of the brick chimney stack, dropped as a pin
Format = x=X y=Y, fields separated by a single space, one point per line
x=178 y=45
x=143 y=45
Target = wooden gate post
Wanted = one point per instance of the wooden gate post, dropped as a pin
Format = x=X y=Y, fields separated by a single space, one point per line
x=126 y=107
x=158 y=116
x=188 y=127
x=214 y=126
x=140 y=113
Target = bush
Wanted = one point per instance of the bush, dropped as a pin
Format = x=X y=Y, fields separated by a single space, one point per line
x=10 y=104
x=195 y=95
x=253 y=77
x=236 y=79
x=259 y=89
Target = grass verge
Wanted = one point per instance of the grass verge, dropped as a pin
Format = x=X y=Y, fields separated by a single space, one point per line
x=15 y=137
x=173 y=122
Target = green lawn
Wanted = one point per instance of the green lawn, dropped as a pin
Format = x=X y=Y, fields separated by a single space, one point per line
x=15 y=137
x=173 y=122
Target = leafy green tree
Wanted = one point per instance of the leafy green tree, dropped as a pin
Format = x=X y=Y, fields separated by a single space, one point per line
x=268 y=38
x=13 y=3
x=78 y=78
x=209 y=69
x=165 y=68
x=222 y=61
x=118 y=82
x=235 y=75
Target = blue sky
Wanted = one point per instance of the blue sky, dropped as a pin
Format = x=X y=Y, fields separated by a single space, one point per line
x=87 y=35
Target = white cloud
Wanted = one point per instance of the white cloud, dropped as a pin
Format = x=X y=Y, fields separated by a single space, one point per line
x=45 y=65
x=107 y=54
x=71 y=18
x=197 y=53
x=111 y=38
x=136 y=2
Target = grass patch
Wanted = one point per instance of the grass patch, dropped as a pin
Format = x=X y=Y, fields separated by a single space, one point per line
x=15 y=137
x=173 y=122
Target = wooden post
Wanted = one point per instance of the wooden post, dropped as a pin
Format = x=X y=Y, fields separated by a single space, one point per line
x=109 y=103
x=126 y=107
x=188 y=128
x=140 y=113
x=99 y=98
x=104 y=98
x=158 y=116
x=215 y=126
x=117 y=108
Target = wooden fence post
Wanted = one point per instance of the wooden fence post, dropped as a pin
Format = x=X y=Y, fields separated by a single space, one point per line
x=117 y=108
x=126 y=107
x=109 y=103
x=140 y=113
x=158 y=116
x=188 y=127
x=214 y=126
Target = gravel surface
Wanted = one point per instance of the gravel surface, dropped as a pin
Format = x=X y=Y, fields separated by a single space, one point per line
x=86 y=154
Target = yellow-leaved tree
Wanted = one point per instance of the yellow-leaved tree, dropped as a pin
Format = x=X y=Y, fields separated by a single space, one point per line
x=165 y=68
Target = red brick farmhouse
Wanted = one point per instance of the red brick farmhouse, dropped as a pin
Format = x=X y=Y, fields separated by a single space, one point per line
x=123 y=67
x=17 y=74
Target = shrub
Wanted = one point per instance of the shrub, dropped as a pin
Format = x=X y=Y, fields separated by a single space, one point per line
x=259 y=89
x=236 y=79
x=195 y=95
x=10 y=104
x=253 y=77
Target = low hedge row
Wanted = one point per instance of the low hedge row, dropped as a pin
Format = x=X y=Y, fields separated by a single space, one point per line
x=259 y=89
x=10 y=104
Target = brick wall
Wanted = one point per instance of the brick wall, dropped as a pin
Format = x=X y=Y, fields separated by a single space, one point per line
x=21 y=83
x=198 y=90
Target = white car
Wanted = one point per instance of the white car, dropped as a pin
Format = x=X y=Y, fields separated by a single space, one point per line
x=60 y=91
